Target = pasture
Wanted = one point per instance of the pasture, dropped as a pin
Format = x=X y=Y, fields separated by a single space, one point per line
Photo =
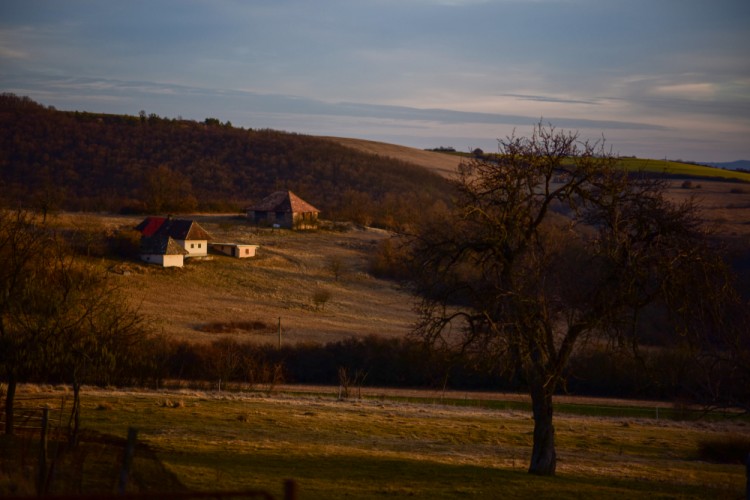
x=290 y=267
x=380 y=446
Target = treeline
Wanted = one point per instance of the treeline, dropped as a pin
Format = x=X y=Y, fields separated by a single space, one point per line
x=374 y=361
x=52 y=159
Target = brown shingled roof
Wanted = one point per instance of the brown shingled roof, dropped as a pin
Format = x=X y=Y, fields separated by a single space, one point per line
x=161 y=245
x=283 y=201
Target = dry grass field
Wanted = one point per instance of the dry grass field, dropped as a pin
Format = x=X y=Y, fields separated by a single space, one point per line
x=291 y=267
x=441 y=163
x=380 y=447
x=280 y=282
x=385 y=444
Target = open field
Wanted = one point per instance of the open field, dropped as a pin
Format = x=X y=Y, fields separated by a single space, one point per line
x=291 y=266
x=446 y=163
x=279 y=283
x=208 y=441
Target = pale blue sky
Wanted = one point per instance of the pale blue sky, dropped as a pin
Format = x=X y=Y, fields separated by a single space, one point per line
x=656 y=78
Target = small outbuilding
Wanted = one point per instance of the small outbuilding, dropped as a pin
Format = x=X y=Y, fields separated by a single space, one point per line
x=284 y=209
x=163 y=251
x=239 y=250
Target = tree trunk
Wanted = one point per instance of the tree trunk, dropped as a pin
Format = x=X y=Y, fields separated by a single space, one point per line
x=543 y=455
x=10 y=397
x=75 y=416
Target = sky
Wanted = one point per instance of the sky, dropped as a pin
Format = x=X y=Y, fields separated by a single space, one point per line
x=652 y=78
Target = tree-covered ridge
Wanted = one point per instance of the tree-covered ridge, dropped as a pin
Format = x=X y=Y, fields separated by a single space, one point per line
x=92 y=161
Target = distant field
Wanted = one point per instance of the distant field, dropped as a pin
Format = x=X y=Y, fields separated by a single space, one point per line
x=682 y=169
x=441 y=163
x=446 y=163
x=210 y=441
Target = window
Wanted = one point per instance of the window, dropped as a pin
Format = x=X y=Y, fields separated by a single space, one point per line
x=247 y=251
x=199 y=245
x=192 y=245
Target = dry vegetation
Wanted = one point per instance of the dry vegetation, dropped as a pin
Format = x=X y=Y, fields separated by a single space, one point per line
x=441 y=163
x=291 y=267
x=281 y=282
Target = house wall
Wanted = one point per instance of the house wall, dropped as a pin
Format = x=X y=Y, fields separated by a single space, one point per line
x=306 y=220
x=283 y=219
x=195 y=248
x=163 y=260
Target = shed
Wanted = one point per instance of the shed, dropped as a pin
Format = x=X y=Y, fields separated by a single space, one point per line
x=284 y=209
x=239 y=250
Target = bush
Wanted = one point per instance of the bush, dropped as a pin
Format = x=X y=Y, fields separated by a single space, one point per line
x=729 y=449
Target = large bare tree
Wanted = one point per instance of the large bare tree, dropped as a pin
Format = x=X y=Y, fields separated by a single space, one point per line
x=551 y=245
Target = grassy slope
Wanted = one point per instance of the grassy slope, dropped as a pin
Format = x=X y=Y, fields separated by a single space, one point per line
x=445 y=164
x=372 y=448
x=682 y=169
x=279 y=283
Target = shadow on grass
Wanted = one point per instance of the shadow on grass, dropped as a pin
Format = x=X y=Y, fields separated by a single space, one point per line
x=362 y=476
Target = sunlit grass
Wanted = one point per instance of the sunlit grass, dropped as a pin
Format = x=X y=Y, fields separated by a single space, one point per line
x=367 y=449
x=678 y=168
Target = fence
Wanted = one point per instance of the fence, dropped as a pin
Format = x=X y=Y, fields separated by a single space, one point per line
x=28 y=415
x=46 y=418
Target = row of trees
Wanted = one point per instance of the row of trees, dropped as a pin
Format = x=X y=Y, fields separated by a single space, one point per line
x=60 y=316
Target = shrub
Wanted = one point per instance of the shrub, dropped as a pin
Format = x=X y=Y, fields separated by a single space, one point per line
x=728 y=449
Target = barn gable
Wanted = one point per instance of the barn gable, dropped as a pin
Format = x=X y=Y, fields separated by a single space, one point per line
x=285 y=209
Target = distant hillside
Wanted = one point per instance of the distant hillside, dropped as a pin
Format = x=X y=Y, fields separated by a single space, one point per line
x=118 y=163
x=441 y=163
x=732 y=165
x=677 y=169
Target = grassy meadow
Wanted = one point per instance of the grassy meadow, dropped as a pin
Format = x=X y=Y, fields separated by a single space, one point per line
x=389 y=444
x=382 y=447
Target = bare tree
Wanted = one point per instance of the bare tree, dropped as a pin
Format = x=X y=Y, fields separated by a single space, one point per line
x=549 y=246
x=22 y=244
x=58 y=314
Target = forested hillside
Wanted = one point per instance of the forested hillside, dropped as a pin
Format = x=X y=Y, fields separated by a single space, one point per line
x=52 y=159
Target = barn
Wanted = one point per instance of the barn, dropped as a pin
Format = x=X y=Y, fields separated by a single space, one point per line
x=284 y=209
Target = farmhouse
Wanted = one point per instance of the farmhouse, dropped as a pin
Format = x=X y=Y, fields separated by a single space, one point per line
x=186 y=233
x=239 y=250
x=284 y=209
x=162 y=250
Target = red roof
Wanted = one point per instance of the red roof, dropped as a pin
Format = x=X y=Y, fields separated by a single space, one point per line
x=150 y=225
x=179 y=229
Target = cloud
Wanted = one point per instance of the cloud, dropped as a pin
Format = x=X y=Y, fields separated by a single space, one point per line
x=561 y=100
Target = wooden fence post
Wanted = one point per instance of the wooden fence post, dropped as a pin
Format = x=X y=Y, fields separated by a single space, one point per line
x=290 y=490
x=42 y=472
x=127 y=460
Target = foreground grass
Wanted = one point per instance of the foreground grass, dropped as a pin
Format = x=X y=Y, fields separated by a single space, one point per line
x=370 y=449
